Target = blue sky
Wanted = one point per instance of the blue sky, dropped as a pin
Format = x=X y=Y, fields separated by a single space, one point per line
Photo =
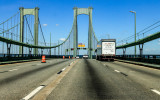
x=109 y=17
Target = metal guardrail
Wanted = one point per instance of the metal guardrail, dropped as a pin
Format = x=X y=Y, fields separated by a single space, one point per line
x=138 y=56
x=14 y=57
x=153 y=59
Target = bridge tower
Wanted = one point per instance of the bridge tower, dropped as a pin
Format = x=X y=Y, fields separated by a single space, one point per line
x=79 y=11
x=24 y=12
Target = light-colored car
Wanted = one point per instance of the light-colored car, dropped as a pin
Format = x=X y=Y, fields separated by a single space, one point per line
x=77 y=57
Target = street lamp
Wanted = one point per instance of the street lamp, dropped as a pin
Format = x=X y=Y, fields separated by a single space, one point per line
x=135 y=28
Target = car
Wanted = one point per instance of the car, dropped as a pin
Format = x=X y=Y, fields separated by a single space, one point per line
x=77 y=57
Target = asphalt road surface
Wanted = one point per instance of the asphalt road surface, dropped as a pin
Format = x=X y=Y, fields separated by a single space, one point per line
x=86 y=80
x=18 y=80
x=95 y=80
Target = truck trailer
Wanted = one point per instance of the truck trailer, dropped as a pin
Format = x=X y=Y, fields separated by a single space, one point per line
x=106 y=49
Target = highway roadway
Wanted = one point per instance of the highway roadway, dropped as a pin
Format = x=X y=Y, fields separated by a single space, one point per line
x=83 y=79
x=18 y=80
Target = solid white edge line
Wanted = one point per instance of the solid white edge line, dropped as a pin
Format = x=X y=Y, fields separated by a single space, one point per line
x=32 y=93
x=155 y=91
x=117 y=71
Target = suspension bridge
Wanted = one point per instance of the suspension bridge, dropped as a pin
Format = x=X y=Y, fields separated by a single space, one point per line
x=24 y=34
x=130 y=77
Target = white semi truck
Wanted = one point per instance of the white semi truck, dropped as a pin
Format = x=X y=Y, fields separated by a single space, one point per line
x=106 y=49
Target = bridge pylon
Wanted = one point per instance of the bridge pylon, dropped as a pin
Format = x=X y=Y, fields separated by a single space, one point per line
x=24 y=12
x=79 y=11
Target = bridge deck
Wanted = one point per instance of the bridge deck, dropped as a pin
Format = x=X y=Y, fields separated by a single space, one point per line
x=140 y=63
x=82 y=79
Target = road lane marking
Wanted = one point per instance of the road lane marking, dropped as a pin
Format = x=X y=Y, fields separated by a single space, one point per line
x=63 y=69
x=155 y=91
x=42 y=95
x=71 y=63
x=117 y=71
x=13 y=70
x=123 y=74
x=59 y=72
x=33 y=93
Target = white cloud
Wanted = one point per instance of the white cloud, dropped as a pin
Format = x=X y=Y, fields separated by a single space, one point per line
x=57 y=24
x=62 y=39
x=44 y=24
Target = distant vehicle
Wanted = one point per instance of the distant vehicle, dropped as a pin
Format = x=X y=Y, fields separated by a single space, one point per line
x=106 y=49
x=77 y=57
x=85 y=56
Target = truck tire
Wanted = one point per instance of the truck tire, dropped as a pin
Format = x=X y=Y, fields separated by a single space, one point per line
x=112 y=60
x=100 y=58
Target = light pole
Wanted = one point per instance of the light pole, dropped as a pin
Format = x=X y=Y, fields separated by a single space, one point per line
x=135 y=28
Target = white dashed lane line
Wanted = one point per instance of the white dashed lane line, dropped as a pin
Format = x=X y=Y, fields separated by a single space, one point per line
x=120 y=72
x=32 y=93
x=155 y=91
x=12 y=70
x=63 y=69
x=117 y=71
